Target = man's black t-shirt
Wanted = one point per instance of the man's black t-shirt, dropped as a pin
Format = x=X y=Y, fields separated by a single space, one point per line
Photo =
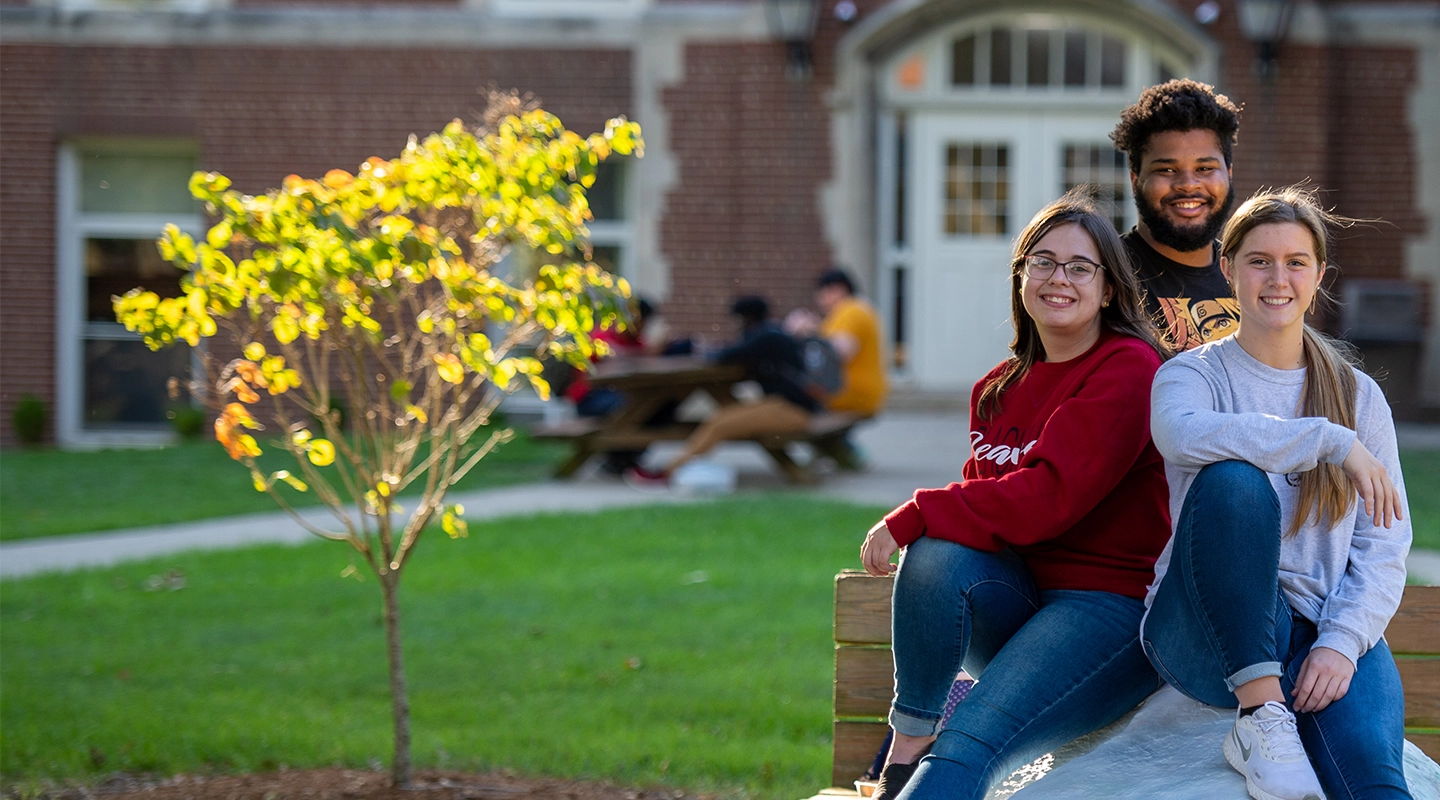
x=1194 y=302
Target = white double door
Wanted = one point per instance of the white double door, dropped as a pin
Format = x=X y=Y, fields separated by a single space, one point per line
x=975 y=181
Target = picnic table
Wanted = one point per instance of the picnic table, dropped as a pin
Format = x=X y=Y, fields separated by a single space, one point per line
x=653 y=383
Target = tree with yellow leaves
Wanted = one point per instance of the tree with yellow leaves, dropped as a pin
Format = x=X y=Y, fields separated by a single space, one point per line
x=384 y=280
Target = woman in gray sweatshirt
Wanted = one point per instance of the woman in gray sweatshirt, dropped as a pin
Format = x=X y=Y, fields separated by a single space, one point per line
x=1290 y=528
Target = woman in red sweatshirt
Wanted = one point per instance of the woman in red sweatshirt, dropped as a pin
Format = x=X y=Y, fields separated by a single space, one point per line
x=1030 y=573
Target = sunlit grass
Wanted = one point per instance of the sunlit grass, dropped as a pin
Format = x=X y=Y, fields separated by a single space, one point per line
x=688 y=646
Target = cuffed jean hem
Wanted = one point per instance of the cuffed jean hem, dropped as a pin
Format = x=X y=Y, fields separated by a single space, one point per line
x=1265 y=669
x=910 y=725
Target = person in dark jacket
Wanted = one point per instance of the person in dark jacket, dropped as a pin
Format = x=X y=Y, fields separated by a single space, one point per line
x=775 y=362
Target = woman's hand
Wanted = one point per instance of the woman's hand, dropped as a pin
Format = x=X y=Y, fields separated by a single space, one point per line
x=1382 y=501
x=1324 y=678
x=878 y=548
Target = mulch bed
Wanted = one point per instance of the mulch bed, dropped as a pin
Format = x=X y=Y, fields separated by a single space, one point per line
x=347 y=784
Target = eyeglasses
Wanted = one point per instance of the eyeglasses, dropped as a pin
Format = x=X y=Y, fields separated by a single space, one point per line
x=1079 y=273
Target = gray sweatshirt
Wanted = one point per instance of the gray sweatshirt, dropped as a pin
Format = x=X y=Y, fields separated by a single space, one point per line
x=1217 y=403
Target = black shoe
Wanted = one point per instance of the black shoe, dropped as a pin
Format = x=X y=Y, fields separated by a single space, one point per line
x=892 y=780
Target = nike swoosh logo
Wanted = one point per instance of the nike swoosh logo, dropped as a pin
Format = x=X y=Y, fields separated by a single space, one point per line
x=1244 y=751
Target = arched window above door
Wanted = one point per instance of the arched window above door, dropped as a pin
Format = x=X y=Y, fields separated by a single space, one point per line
x=1037 y=54
x=1027 y=57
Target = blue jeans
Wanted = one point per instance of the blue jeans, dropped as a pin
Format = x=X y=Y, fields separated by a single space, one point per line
x=1219 y=620
x=1051 y=665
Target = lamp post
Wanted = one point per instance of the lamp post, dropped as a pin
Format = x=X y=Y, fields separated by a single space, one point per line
x=793 y=22
x=1266 y=22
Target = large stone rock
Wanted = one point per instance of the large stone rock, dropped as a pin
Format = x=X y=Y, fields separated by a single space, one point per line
x=1169 y=748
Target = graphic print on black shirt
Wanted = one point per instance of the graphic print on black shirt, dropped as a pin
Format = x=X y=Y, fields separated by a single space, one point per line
x=1195 y=302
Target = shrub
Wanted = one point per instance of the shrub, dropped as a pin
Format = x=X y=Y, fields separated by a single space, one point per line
x=188 y=421
x=29 y=420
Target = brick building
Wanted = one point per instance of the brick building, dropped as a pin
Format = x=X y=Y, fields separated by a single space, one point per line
x=918 y=140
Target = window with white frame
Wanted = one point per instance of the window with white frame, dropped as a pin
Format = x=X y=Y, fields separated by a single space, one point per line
x=1101 y=167
x=610 y=228
x=115 y=198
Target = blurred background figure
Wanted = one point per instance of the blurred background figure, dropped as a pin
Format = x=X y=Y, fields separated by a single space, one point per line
x=773 y=358
x=852 y=327
x=644 y=336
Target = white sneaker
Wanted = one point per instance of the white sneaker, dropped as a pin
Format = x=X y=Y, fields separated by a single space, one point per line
x=1265 y=747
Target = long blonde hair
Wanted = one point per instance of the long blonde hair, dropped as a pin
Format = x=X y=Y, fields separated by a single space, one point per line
x=1124 y=315
x=1326 y=495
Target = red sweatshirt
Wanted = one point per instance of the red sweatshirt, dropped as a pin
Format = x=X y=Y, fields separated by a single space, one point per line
x=1065 y=475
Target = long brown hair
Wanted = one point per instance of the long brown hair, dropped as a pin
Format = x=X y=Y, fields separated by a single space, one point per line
x=1329 y=390
x=1125 y=314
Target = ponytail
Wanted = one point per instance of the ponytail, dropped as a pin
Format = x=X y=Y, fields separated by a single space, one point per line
x=1326 y=495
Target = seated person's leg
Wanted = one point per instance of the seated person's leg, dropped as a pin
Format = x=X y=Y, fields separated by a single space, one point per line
x=1212 y=625
x=953 y=606
x=742 y=421
x=1357 y=742
x=1075 y=666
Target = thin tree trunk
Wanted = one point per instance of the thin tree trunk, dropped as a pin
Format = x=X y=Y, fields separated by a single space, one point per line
x=399 y=700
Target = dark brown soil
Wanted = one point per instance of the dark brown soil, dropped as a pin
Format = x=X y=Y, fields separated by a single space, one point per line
x=345 y=784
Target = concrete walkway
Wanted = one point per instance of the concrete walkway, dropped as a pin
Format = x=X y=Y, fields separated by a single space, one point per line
x=905 y=449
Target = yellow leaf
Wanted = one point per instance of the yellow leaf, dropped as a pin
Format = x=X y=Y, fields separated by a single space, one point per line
x=285 y=328
x=322 y=453
x=219 y=236
x=248 y=445
x=284 y=475
x=450 y=368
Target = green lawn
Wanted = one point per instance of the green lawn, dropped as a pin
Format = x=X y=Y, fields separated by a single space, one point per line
x=686 y=646
x=1422 y=489
x=46 y=492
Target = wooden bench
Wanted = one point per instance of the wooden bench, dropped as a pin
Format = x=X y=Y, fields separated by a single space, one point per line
x=864 y=671
x=826 y=433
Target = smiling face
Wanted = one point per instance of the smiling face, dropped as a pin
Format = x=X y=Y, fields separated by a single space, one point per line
x=1182 y=190
x=1066 y=315
x=1275 y=273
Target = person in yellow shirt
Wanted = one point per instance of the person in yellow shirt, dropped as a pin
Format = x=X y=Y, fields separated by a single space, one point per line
x=853 y=328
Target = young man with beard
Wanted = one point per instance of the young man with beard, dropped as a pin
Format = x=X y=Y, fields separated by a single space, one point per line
x=1178 y=138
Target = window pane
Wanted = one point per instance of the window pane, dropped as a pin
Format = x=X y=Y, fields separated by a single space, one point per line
x=1000 y=57
x=607 y=195
x=962 y=61
x=1102 y=167
x=1037 y=58
x=1112 y=61
x=140 y=184
x=115 y=266
x=125 y=382
x=1075 y=58
x=902 y=170
x=897 y=316
x=1163 y=74
x=977 y=189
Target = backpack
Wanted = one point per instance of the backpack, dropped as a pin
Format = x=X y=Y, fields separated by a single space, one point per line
x=822 y=376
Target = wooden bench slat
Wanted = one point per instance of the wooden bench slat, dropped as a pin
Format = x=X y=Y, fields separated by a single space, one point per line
x=1415 y=628
x=1421 y=677
x=1429 y=743
x=855 y=746
x=862 y=608
x=864 y=681
x=864 y=677
x=568 y=429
